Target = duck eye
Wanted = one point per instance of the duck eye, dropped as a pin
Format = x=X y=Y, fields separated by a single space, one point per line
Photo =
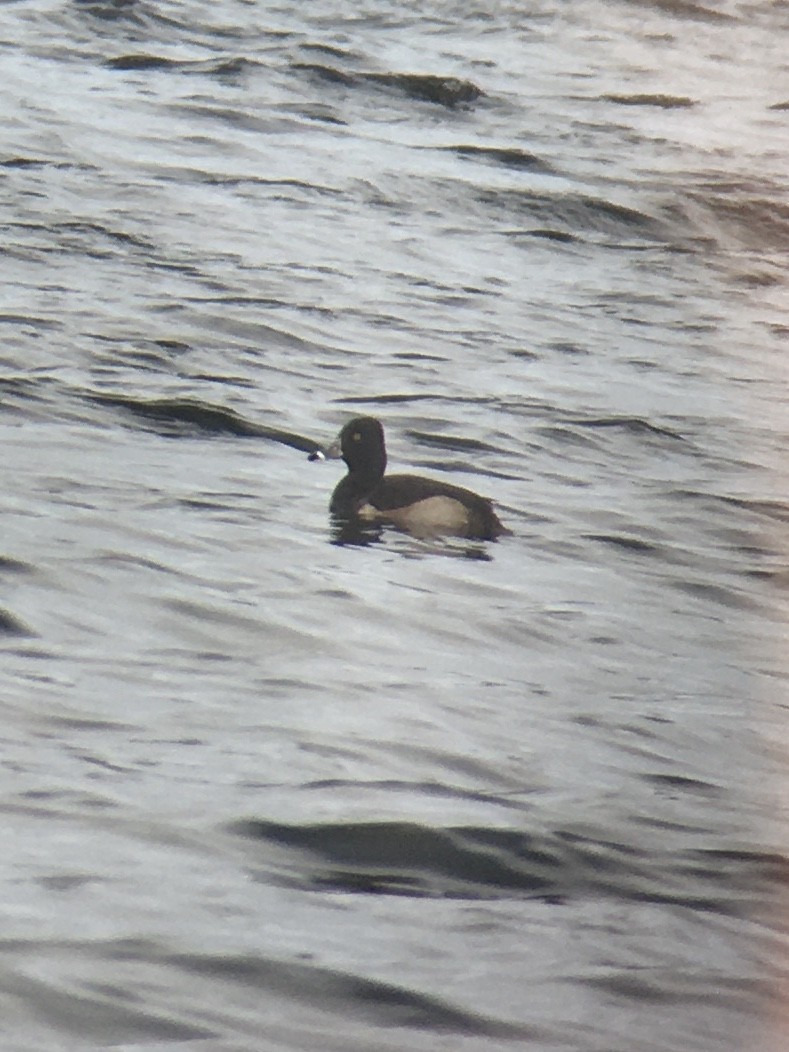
x=357 y=436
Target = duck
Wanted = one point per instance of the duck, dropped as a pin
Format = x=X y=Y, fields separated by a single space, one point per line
x=423 y=507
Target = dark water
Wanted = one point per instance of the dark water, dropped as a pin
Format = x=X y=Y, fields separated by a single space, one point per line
x=263 y=791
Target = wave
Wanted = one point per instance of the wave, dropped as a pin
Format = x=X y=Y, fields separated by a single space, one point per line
x=468 y=862
x=450 y=92
x=190 y=415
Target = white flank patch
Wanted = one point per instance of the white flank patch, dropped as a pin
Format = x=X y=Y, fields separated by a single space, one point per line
x=432 y=515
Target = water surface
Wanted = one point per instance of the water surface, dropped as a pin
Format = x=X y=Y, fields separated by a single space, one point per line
x=261 y=790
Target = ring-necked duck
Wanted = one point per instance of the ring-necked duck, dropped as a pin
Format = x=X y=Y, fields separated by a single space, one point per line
x=418 y=505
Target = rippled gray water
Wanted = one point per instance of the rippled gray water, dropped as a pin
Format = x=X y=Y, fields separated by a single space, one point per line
x=263 y=791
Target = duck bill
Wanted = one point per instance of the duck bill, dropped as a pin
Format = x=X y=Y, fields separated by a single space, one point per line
x=330 y=452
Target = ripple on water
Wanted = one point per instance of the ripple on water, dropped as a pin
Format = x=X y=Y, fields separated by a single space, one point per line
x=386 y=794
x=402 y=858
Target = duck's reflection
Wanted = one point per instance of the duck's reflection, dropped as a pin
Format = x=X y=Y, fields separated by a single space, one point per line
x=357 y=533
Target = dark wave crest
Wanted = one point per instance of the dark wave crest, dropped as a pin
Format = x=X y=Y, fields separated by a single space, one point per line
x=403 y=858
x=177 y=416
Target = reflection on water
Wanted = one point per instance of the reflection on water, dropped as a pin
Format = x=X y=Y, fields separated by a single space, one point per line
x=357 y=533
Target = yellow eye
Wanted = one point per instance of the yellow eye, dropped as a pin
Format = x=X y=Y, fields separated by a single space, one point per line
x=356 y=436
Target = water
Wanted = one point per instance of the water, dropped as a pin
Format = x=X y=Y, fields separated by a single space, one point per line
x=264 y=791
